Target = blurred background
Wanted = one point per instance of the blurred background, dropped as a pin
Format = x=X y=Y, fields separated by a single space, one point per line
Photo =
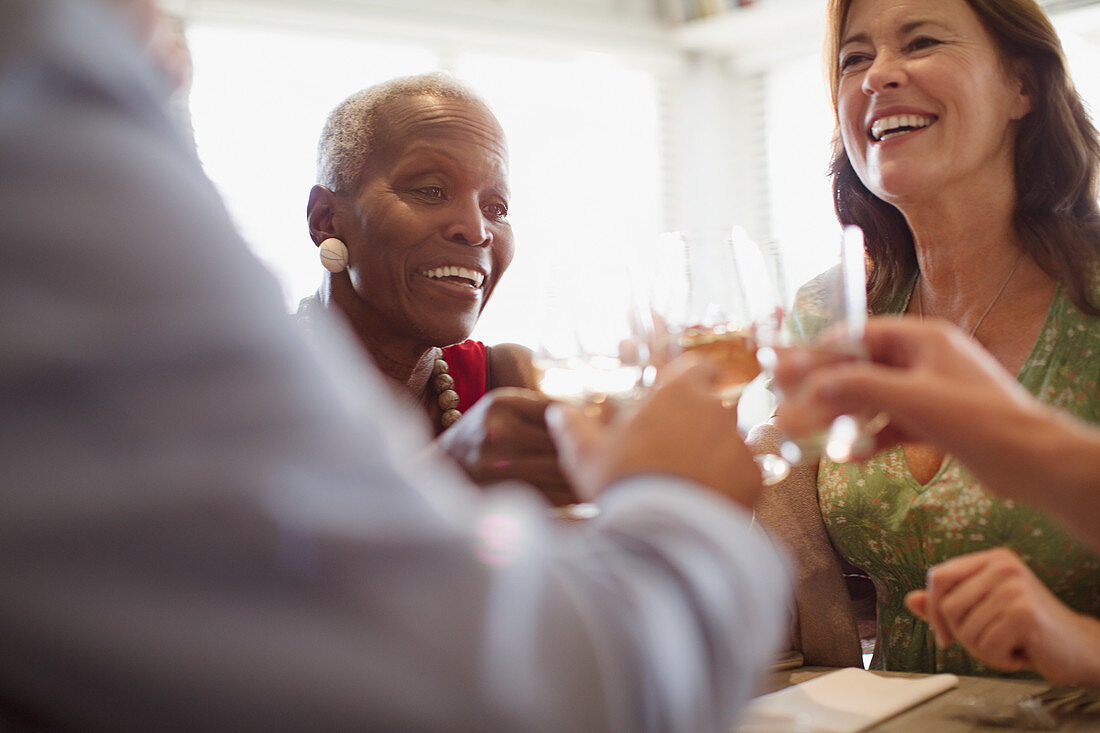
x=624 y=118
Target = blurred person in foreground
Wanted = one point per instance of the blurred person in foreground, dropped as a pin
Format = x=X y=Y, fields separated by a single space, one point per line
x=211 y=522
x=410 y=218
x=940 y=387
x=968 y=160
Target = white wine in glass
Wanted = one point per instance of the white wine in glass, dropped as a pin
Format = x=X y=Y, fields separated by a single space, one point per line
x=593 y=335
x=587 y=379
x=732 y=349
x=712 y=295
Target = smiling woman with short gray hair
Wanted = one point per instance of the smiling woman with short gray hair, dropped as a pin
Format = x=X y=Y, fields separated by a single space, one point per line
x=410 y=218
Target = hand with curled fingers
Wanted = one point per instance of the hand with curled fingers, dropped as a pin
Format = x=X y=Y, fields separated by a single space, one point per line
x=679 y=428
x=931 y=378
x=998 y=610
x=504 y=436
x=940 y=386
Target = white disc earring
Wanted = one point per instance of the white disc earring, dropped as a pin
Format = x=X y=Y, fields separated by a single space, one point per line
x=334 y=255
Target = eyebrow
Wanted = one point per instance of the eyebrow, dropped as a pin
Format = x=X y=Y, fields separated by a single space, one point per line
x=433 y=159
x=905 y=29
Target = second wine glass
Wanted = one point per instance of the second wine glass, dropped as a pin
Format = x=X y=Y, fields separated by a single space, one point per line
x=594 y=335
x=825 y=322
x=711 y=295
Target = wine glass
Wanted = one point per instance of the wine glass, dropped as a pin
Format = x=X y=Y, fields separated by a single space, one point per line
x=594 y=334
x=826 y=319
x=594 y=339
x=710 y=296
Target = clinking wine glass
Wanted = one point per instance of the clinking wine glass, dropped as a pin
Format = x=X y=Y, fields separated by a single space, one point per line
x=593 y=347
x=827 y=319
x=710 y=296
x=594 y=335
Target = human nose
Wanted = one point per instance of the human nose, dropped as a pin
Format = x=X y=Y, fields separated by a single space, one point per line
x=467 y=225
x=887 y=71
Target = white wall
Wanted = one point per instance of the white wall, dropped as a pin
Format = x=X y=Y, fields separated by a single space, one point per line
x=530 y=24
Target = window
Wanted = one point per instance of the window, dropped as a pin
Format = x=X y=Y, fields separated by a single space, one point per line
x=799 y=129
x=258 y=102
x=582 y=129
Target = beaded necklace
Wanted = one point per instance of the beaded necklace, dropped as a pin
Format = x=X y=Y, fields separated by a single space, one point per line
x=444 y=384
x=441 y=380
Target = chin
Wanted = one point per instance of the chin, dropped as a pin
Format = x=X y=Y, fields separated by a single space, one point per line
x=900 y=197
x=894 y=183
x=451 y=332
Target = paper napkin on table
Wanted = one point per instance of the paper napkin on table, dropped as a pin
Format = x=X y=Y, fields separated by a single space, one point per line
x=845 y=701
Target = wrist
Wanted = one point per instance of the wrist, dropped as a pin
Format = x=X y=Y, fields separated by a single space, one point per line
x=1085 y=671
x=1009 y=446
x=1073 y=464
x=1077 y=458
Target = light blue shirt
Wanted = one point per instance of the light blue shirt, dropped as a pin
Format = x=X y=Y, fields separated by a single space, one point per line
x=207 y=522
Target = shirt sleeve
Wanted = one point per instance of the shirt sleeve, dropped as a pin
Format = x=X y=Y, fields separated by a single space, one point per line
x=210 y=522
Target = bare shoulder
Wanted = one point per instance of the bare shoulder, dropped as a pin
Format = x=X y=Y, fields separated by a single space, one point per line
x=511 y=365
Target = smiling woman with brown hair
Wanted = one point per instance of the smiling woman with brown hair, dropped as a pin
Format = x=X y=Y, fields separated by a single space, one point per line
x=1056 y=153
x=964 y=153
x=410 y=217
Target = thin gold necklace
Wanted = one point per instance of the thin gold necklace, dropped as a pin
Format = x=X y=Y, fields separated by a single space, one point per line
x=920 y=298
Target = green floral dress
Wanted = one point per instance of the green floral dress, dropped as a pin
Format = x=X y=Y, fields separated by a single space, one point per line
x=883 y=521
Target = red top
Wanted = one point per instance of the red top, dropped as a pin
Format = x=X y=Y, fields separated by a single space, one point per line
x=469 y=365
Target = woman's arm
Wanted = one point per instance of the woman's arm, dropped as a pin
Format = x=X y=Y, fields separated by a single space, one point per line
x=824 y=627
x=939 y=386
x=511 y=365
x=994 y=605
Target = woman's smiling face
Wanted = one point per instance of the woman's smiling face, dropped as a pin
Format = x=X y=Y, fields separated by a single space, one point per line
x=428 y=236
x=925 y=103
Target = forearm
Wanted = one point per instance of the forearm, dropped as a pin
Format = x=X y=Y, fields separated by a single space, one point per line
x=1086 y=664
x=730 y=578
x=357 y=608
x=1070 y=453
x=1037 y=454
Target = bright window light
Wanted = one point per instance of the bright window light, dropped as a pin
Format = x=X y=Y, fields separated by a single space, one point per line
x=258 y=102
x=585 y=171
x=1083 y=55
x=583 y=136
x=799 y=124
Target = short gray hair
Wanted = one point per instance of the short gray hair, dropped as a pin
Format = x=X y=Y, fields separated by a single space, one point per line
x=350 y=131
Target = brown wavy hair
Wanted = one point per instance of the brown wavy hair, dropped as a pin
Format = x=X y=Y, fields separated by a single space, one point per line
x=1057 y=157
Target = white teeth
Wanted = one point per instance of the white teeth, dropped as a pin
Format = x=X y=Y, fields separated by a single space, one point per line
x=887 y=127
x=474 y=277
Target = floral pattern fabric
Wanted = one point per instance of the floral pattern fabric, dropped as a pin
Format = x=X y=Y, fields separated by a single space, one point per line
x=883 y=521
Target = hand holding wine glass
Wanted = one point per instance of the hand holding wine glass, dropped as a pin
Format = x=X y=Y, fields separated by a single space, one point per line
x=679 y=428
x=593 y=348
x=824 y=326
x=700 y=296
x=594 y=338
x=712 y=295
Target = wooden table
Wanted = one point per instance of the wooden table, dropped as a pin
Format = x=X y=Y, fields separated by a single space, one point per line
x=937 y=715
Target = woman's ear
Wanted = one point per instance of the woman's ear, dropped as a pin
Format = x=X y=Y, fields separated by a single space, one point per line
x=321 y=214
x=1024 y=102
